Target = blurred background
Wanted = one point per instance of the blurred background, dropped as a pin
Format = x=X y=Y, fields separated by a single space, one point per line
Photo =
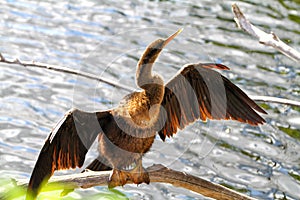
x=107 y=39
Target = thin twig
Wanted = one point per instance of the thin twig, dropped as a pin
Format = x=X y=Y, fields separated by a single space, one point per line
x=2 y=59
x=157 y=173
x=63 y=69
x=276 y=100
x=90 y=76
x=270 y=39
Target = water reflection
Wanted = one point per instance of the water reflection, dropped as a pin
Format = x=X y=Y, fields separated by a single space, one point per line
x=85 y=35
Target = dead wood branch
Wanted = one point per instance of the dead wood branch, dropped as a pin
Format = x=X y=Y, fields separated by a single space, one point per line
x=268 y=39
x=276 y=100
x=90 y=76
x=64 y=70
x=158 y=173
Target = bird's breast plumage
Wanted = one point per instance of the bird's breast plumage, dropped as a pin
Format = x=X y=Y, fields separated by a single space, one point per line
x=137 y=111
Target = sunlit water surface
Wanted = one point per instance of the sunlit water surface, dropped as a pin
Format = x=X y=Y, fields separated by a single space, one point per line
x=106 y=39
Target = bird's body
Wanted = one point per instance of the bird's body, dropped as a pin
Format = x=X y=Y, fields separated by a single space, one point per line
x=127 y=132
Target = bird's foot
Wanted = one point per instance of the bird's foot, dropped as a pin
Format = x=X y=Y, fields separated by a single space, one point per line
x=139 y=175
x=118 y=178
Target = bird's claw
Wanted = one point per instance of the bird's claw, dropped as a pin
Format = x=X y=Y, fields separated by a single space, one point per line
x=117 y=178
x=139 y=176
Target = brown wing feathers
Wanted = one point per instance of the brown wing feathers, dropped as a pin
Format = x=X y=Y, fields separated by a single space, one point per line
x=66 y=146
x=240 y=107
x=199 y=92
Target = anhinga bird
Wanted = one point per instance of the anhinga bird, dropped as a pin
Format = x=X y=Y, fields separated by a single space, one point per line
x=127 y=132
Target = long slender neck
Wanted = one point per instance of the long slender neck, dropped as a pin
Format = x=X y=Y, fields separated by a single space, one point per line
x=144 y=76
x=152 y=83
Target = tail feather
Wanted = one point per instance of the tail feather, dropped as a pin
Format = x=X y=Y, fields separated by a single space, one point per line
x=97 y=165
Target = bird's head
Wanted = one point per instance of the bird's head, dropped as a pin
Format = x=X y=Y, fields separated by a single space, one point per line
x=153 y=50
x=144 y=74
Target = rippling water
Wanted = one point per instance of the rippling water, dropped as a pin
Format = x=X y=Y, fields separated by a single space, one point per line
x=106 y=39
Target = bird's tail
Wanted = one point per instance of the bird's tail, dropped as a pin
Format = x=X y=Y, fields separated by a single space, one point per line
x=97 y=165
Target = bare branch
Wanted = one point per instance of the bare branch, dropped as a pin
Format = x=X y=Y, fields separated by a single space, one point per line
x=276 y=100
x=1 y=58
x=63 y=69
x=90 y=76
x=264 y=38
x=157 y=173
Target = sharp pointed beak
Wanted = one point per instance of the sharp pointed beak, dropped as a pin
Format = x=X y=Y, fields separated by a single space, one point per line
x=172 y=36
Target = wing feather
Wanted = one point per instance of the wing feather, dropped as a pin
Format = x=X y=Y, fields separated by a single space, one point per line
x=66 y=146
x=198 y=92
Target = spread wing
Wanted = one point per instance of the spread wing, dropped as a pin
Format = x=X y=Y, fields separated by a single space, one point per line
x=66 y=146
x=198 y=92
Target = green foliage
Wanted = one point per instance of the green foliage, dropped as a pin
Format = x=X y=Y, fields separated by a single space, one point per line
x=9 y=191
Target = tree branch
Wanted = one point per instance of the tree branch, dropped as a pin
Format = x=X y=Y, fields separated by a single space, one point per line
x=90 y=76
x=276 y=100
x=62 y=69
x=264 y=38
x=157 y=173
